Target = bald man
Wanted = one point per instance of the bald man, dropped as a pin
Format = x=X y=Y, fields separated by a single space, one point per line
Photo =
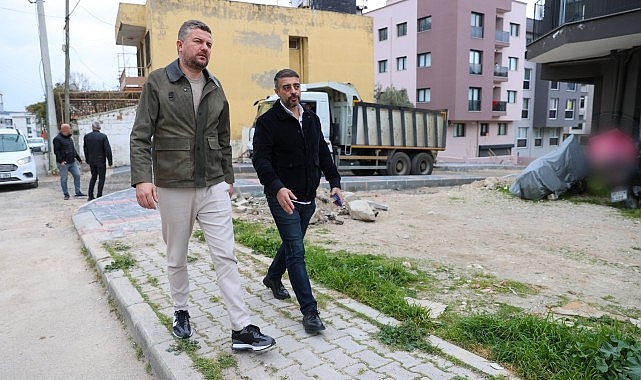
x=66 y=156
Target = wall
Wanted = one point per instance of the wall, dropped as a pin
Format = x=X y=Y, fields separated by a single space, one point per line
x=116 y=125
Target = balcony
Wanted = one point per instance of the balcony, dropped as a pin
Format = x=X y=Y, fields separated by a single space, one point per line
x=499 y=108
x=501 y=38
x=500 y=73
x=474 y=105
x=477 y=31
x=476 y=68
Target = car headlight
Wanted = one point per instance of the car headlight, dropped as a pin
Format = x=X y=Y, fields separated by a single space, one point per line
x=24 y=161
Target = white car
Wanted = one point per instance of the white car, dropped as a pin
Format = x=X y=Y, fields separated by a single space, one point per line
x=17 y=164
x=38 y=144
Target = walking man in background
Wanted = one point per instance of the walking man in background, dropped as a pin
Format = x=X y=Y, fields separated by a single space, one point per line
x=66 y=156
x=290 y=153
x=183 y=120
x=97 y=151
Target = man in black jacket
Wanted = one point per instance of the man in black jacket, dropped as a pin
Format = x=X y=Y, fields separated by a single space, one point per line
x=66 y=156
x=290 y=153
x=97 y=150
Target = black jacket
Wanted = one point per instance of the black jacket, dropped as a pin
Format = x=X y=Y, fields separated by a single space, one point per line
x=64 y=149
x=285 y=156
x=97 y=148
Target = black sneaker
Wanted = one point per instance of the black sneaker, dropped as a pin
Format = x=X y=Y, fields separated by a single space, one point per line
x=66 y=197
x=312 y=322
x=250 y=338
x=78 y=195
x=181 y=327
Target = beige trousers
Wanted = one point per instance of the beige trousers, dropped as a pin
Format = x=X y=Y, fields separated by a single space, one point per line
x=211 y=207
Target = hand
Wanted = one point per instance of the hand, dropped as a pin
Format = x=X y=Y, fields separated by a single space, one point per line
x=336 y=191
x=230 y=191
x=284 y=198
x=146 y=195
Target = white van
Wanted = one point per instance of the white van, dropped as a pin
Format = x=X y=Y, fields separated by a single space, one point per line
x=17 y=164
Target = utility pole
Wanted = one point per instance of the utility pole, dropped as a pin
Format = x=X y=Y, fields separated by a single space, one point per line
x=67 y=117
x=46 y=68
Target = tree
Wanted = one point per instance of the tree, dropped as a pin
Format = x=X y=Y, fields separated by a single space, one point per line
x=392 y=96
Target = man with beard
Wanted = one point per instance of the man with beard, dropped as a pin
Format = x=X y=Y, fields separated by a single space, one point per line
x=290 y=153
x=181 y=131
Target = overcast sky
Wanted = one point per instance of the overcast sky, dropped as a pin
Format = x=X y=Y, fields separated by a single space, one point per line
x=93 y=51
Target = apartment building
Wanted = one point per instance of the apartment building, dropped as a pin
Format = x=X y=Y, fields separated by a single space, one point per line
x=24 y=121
x=464 y=56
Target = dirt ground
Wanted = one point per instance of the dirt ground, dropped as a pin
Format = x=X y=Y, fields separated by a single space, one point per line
x=485 y=247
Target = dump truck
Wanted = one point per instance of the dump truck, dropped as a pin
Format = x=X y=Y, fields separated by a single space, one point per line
x=368 y=138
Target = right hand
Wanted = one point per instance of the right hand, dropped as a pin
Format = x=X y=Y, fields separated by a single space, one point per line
x=284 y=197
x=146 y=195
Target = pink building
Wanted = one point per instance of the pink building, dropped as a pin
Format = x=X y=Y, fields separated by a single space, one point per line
x=465 y=56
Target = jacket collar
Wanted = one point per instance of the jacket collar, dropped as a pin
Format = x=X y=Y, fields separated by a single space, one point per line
x=174 y=73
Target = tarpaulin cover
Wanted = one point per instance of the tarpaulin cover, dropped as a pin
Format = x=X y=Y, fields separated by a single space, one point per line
x=554 y=172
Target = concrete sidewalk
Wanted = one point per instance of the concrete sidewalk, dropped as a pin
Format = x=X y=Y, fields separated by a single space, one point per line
x=348 y=349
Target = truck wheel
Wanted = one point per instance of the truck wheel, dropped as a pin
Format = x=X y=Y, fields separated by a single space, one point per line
x=422 y=164
x=399 y=164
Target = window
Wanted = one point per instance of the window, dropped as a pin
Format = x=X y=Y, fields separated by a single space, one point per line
x=512 y=63
x=554 y=136
x=484 y=129
x=511 y=96
x=459 y=130
x=554 y=85
x=424 y=23
x=477 y=25
x=521 y=137
x=554 y=105
x=475 y=62
x=526 y=78
x=382 y=34
x=525 y=111
x=514 y=30
x=401 y=63
x=502 y=129
x=582 y=110
x=538 y=137
x=382 y=66
x=401 y=29
x=578 y=126
x=423 y=95
x=571 y=86
x=424 y=60
x=570 y=104
x=474 y=99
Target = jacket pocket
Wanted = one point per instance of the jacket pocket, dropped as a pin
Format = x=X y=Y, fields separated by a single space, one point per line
x=214 y=167
x=172 y=158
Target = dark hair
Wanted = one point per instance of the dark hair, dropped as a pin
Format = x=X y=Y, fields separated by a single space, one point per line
x=190 y=25
x=284 y=73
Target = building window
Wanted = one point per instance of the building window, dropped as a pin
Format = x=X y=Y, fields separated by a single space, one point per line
x=424 y=23
x=521 y=137
x=526 y=78
x=477 y=25
x=511 y=96
x=525 y=111
x=401 y=29
x=485 y=127
x=424 y=60
x=571 y=86
x=554 y=85
x=382 y=66
x=538 y=137
x=570 y=104
x=459 y=130
x=476 y=57
x=554 y=136
x=582 y=110
x=554 y=105
x=513 y=63
x=423 y=95
x=401 y=63
x=382 y=34
x=502 y=129
x=474 y=99
x=514 y=30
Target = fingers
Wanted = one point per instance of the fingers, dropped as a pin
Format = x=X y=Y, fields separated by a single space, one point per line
x=146 y=195
x=284 y=198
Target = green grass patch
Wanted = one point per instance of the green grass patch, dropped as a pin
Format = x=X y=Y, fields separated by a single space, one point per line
x=121 y=257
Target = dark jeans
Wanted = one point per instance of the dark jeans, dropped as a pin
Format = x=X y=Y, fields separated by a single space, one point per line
x=291 y=253
x=98 y=171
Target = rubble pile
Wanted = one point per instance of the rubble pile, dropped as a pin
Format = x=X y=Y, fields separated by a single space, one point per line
x=492 y=183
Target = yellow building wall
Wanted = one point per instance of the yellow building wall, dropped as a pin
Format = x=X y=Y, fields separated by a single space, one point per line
x=251 y=43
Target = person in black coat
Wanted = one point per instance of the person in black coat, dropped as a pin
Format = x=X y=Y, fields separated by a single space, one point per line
x=97 y=151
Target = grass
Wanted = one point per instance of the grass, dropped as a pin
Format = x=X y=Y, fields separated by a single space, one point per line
x=532 y=347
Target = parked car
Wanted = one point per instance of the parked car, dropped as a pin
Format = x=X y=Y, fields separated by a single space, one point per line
x=38 y=144
x=17 y=164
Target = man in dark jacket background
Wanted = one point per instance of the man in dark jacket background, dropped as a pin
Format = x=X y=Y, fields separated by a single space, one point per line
x=290 y=153
x=66 y=156
x=97 y=151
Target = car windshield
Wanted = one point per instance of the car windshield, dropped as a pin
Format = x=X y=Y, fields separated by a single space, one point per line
x=12 y=143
